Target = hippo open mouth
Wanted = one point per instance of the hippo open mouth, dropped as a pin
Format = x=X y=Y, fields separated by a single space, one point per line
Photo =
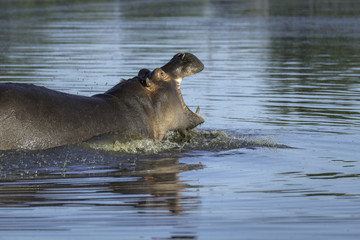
x=180 y=66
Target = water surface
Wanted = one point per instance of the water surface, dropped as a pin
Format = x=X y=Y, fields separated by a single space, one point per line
x=277 y=157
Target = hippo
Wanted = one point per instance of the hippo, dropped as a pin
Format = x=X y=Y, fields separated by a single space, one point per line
x=149 y=104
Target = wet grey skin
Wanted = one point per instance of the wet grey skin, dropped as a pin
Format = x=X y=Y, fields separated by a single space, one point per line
x=150 y=104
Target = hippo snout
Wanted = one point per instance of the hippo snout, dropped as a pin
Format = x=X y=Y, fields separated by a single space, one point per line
x=182 y=65
x=192 y=61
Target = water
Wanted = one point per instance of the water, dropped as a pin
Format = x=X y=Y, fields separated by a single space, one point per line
x=277 y=157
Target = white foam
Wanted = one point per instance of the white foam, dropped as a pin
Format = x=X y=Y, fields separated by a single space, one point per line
x=203 y=140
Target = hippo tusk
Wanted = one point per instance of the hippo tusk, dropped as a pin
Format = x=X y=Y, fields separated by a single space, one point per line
x=197 y=110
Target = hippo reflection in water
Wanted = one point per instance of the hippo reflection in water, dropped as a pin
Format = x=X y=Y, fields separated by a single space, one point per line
x=149 y=104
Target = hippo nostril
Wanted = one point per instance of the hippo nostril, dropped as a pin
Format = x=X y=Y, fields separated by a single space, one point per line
x=180 y=55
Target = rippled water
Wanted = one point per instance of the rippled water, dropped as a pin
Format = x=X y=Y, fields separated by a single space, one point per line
x=277 y=157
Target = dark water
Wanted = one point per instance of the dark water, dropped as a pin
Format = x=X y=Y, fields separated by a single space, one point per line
x=278 y=155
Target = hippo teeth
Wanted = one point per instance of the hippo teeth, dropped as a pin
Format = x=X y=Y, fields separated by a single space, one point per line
x=178 y=82
x=198 y=110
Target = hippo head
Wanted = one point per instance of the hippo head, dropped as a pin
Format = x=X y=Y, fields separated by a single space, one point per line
x=163 y=85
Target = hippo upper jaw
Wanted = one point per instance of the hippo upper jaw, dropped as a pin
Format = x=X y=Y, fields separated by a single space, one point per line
x=182 y=65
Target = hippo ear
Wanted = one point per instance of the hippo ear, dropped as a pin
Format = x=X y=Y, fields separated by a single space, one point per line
x=143 y=76
x=144 y=73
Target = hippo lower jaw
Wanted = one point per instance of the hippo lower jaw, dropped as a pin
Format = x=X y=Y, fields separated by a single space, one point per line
x=194 y=118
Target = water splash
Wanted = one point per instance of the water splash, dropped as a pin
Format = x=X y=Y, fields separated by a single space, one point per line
x=121 y=151
x=204 y=140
